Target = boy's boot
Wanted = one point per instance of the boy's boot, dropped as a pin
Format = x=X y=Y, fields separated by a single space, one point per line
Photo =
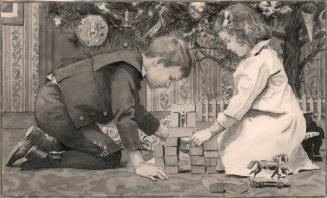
x=33 y=136
x=36 y=159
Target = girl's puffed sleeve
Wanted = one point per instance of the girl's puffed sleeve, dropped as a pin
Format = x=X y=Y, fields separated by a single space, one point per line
x=250 y=80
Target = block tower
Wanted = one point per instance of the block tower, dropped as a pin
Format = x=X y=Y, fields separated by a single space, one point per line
x=180 y=154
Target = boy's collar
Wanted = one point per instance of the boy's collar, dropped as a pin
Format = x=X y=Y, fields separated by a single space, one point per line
x=258 y=47
x=143 y=72
x=140 y=59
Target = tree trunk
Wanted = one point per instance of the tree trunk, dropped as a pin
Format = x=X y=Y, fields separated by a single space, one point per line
x=291 y=50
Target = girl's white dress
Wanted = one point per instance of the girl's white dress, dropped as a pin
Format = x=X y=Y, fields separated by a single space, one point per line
x=263 y=118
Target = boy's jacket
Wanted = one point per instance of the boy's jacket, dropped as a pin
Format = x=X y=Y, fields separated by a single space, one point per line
x=86 y=85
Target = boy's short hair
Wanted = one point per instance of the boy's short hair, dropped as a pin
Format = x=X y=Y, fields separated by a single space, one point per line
x=246 y=23
x=174 y=50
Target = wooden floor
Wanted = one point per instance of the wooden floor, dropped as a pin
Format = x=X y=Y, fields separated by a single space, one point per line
x=121 y=182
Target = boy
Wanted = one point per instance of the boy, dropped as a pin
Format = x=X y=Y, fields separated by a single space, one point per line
x=101 y=89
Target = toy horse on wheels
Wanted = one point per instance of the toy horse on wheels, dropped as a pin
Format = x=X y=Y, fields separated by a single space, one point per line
x=278 y=165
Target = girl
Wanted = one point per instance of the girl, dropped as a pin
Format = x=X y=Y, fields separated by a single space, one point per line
x=263 y=118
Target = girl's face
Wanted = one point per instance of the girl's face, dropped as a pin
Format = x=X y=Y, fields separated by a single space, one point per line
x=241 y=49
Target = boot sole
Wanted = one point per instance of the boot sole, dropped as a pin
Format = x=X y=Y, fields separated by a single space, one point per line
x=10 y=159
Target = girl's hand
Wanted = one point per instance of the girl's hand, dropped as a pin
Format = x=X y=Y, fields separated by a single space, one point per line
x=202 y=136
x=162 y=132
x=150 y=171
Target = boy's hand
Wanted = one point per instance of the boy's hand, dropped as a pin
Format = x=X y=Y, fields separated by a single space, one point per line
x=162 y=132
x=202 y=136
x=150 y=172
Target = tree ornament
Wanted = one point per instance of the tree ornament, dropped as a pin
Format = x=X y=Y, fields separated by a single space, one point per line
x=135 y=4
x=197 y=9
x=161 y=23
x=92 y=30
x=150 y=13
x=125 y=44
x=126 y=22
x=57 y=21
x=103 y=7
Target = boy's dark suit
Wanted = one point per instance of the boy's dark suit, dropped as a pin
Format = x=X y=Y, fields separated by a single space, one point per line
x=95 y=90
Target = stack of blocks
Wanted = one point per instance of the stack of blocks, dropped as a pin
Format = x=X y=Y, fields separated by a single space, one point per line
x=180 y=154
x=212 y=157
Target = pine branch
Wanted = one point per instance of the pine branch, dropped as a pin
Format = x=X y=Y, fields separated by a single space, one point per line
x=219 y=61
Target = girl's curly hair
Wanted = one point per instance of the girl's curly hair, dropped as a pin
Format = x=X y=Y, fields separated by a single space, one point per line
x=246 y=23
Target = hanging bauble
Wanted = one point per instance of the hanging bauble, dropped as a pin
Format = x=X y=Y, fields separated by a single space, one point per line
x=92 y=30
x=197 y=9
x=125 y=44
x=57 y=21
x=150 y=13
x=135 y=4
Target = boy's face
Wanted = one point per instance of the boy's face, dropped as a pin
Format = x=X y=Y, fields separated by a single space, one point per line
x=157 y=75
x=232 y=44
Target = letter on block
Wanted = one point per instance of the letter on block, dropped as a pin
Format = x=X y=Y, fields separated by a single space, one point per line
x=171 y=160
x=196 y=150
x=211 y=145
x=158 y=150
x=174 y=119
x=171 y=141
x=213 y=184
x=198 y=160
x=211 y=169
x=171 y=151
x=211 y=161
x=190 y=119
x=211 y=154
x=180 y=132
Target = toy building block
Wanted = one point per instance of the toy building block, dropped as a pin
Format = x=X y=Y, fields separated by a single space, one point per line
x=190 y=119
x=194 y=145
x=211 y=161
x=171 y=141
x=182 y=108
x=211 y=154
x=174 y=119
x=159 y=162
x=213 y=184
x=184 y=162
x=220 y=166
x=211 y=169
x=158 y=150
x=198 y=160
x=170 y=151
x=198 y=169
x=185 y=144
x=171 y=169
x=171 y=160
x=196 y=150
x=211 y=145
x=180 y=132
x=236 y=186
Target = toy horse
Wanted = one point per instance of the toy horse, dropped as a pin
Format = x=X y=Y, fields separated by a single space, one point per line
x=278 y=164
